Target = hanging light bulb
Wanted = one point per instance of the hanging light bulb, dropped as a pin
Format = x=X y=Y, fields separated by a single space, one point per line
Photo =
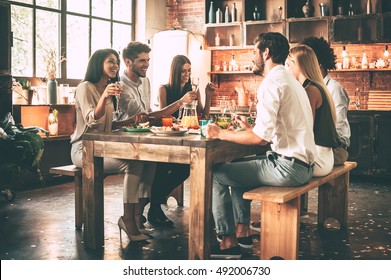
x=344 y=53
x=386 y=53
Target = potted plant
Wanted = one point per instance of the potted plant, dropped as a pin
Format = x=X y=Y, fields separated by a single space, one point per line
x=51 y=70
x=21 y=150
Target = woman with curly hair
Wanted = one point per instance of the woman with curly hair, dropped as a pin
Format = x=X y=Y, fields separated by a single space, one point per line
x=326 y=58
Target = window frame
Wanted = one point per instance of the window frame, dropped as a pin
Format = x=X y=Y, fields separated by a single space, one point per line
x=63 y=13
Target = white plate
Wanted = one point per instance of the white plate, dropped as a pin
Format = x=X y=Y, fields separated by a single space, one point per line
x=159 y=131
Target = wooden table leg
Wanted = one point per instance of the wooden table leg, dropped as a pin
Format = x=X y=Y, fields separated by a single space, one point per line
x=280 y=229
x=93 y=197
x=333 y=200
x=200 y=203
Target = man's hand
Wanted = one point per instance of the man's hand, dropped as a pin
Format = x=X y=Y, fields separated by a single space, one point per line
x=211 y=131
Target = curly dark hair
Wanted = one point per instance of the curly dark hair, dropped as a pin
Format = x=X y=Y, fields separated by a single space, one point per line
x=323 y=51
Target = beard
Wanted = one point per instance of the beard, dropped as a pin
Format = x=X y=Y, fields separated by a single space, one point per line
x=259 y=69
x=137 y=72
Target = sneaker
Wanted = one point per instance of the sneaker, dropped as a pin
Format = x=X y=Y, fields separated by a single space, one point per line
x=230 y=253
x=244 y=242
x=255 y=226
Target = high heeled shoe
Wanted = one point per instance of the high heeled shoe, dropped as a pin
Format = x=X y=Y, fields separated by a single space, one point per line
x=146 y=230
x=132 y=237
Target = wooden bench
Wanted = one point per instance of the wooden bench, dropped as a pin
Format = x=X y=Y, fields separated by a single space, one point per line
x=73 y=171
x=280 y=210
x=76 y=173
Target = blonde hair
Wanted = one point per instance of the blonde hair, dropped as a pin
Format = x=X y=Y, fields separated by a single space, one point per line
x=308 y=65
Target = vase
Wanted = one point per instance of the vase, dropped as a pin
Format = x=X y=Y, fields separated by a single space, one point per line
x=52 y=91
x=52 y=125
x=308 y=9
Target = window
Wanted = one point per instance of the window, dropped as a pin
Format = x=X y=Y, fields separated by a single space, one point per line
x=73 y=29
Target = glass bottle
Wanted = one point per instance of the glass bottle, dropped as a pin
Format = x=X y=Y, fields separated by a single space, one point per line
x=226 y=14
x=340 y=8
x=232 y=64
x=364 y=61
x=369 y=7
x=233 y=13
x=308 y=9
x=217 y=40
x=256 y=14
x=359 y=33
x=232 y=40
x=211 y=18
x=351 y=11
x=219 y=16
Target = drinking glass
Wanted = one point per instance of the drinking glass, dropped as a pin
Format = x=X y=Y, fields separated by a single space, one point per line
x=195 y=81
x=232 y=108
x=223 y=105
x=116 y=113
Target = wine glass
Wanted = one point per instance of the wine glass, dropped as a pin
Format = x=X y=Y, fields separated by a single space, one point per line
x=195 y=81
x=223 y=106
x=119 y=84
x=232 y=108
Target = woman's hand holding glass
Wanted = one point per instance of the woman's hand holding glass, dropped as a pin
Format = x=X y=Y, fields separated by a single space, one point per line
x=190 y=96
x=209 y=89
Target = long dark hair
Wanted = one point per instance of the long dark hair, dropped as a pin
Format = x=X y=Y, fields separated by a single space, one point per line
x=174 y=80
x=95 y=65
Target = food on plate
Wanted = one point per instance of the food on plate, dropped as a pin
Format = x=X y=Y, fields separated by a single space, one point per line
x=138 y=126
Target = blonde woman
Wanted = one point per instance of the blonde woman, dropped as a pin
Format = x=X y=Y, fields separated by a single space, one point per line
x=304 y=65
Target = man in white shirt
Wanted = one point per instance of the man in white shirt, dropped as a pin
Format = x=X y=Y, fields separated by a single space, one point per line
x=326 y=58
x=284 y=119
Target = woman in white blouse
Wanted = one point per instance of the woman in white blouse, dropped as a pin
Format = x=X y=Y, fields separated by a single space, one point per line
x=94 y=113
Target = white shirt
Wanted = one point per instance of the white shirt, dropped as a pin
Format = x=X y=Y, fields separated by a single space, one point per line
x=135 y=97
x=341 y=102
x=284 y=115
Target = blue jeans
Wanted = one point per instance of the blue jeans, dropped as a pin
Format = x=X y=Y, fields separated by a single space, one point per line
x=231 y=180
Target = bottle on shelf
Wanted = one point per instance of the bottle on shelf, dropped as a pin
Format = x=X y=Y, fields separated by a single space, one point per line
x=232 y=64
x=226 y=14
x=369 y=7
x=234 y=13
x=256 y=14
x=219 y=16
x=359 y=32
x=308 y=9
x=340 y=10
x=351 y=10
x=232 y=40
x=364 y=61
x=211 y=14
x=217 y=40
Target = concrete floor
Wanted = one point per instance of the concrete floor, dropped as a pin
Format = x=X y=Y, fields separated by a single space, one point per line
x=39 y=225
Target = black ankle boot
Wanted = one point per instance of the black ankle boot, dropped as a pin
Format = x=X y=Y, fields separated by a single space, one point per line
x=157 y=217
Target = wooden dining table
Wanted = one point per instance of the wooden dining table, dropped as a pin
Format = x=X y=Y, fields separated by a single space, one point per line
x=193 y=149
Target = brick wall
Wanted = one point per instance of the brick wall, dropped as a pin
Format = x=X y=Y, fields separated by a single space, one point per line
x=191 y=16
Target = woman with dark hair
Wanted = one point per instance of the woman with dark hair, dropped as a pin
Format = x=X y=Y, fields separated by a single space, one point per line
x=94 y=113
x=177 y=91
x=179 y=85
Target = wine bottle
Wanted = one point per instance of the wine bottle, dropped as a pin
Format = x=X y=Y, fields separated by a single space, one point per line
x=211 y=18
x=217 y=40
x=226 y=14
x=256 y=14
x=233 y=13
x=351 y=11
x=219 y=16
x=369 y=7
x=340 y=8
